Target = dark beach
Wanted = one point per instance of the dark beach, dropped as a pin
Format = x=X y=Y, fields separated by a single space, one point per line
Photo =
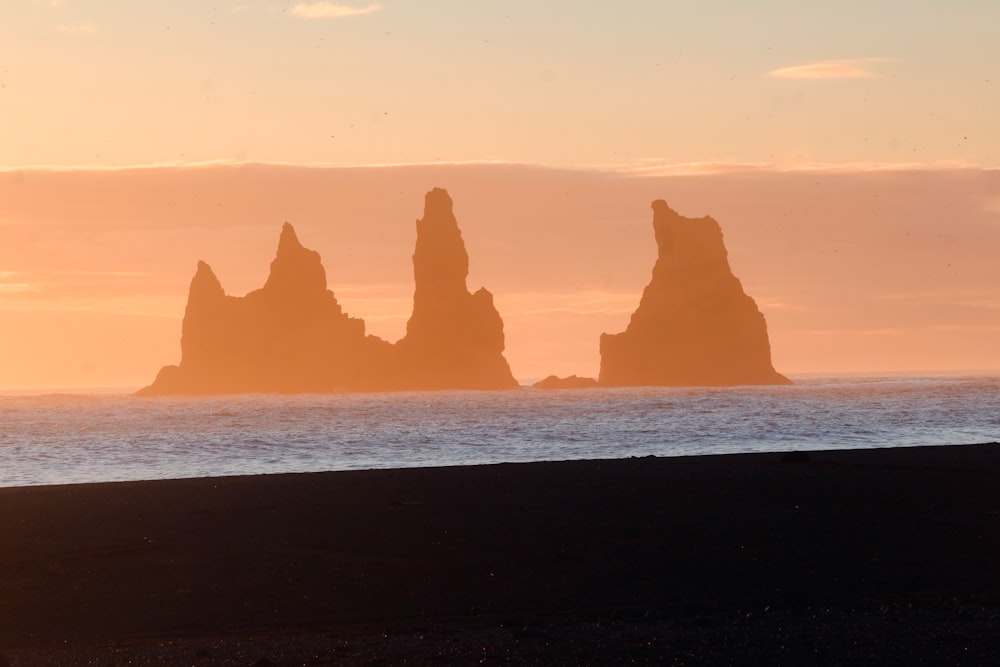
x=887 y=556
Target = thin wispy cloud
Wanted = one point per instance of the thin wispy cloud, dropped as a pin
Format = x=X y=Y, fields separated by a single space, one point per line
x=331 y=10
x=577 y=302
x=985 y=328
x=81 y=28
x=226 y=162
x=830 y=69
x=650 y=167
x=653 y=169
x=854 y=333
x=20 y=288
x=984 y=299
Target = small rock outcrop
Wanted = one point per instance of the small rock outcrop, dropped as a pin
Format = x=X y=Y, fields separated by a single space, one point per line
x=571 y=382
x=290 y=336
x=454 y=339
x=695 y=326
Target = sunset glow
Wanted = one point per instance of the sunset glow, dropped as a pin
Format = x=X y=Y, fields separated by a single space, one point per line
x=849 y=153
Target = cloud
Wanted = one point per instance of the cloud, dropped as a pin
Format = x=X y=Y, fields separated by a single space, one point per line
x=987 y=328
x=80 y=28
x=330 y=10
x=16 y=282
x=49 y=286
x=225 y=162
x=653 y=169
x=17 y=288
x=846 y=333
x=829 y=69
x=982 y=299
x=575 y=302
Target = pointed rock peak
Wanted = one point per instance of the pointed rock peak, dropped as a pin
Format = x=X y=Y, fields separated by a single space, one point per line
x=437 y=203
x=288 y=242
x=295 y=267
x=204 y=283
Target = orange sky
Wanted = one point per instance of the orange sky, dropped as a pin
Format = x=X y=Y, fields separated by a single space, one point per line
x=560 y=82
x=848 y=149
x=854 y=270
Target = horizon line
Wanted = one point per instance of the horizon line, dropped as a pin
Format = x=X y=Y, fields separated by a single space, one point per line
x=113 y=389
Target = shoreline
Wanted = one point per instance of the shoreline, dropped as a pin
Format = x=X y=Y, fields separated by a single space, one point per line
x=790 y=454
x=704 y=555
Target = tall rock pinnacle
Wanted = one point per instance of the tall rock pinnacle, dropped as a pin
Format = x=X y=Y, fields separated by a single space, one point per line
x=454 y=339
x=694 y=325
x=440 y=262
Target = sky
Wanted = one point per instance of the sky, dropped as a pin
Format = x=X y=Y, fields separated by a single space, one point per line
x=848 y=149
x=562 y=83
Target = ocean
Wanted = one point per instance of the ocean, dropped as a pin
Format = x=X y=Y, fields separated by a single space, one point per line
x=71 y=438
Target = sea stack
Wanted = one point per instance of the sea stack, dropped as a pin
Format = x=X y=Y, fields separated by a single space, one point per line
x=570 y=382
x=454 y=339
x=291 y=335
x=695 y=326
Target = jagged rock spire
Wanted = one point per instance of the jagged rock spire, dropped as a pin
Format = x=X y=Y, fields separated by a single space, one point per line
x=454 y=339
x=288 y=336
x=295 y=268
x=292 y=336
x=694 y=325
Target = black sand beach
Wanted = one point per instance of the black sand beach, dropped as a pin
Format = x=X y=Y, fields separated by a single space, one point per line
x=885 y=556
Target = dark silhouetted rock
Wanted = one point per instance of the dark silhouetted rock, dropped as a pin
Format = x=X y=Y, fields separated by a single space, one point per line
x=571 y=382
x=695 y=325
x=454 y=339
x=291 y=335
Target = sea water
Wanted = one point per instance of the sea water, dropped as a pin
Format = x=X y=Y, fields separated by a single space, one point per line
x=69 y=438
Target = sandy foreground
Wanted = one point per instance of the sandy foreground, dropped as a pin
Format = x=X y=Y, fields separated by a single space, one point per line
x=885 y=556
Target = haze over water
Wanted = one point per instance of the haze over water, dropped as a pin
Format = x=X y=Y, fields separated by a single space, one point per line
x=69 y=438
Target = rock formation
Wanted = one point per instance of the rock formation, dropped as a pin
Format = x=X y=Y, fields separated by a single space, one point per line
x=454 y=339
x=571 y=382
x=291 y=335
x=695 y=325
